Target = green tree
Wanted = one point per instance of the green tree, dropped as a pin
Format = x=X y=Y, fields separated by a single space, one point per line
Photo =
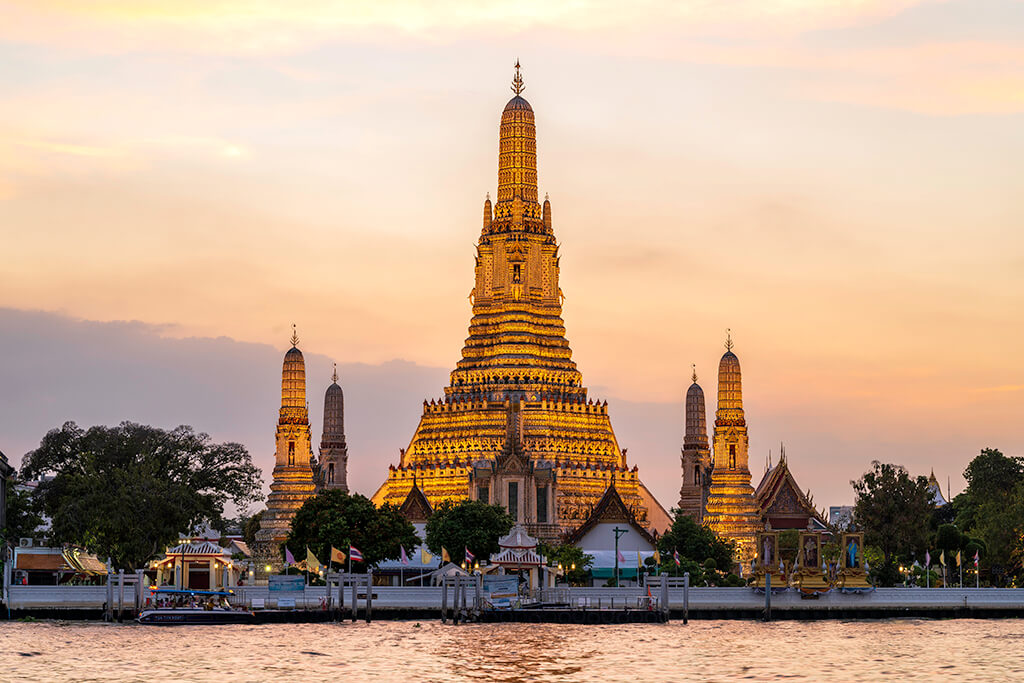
x=991 y=510
x=250 y=525
x=695 y=543
x=894 y=510
x=339 y=519
x=948 y=538
x=575 y=563
x=23 y=518
x=467 y=524
x=127 y=492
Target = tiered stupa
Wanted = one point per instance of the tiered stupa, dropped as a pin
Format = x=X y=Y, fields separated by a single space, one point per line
x=732 y=511
x=294 y=463
x=333 y=451
x=696 y=456
x=515 y=426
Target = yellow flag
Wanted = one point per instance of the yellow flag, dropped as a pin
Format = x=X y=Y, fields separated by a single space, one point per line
x=312 y=564
x=425 y=557
x=444 y=555
x=657 y=558
x=942 y=558
x=958 y=558
x=337 y=556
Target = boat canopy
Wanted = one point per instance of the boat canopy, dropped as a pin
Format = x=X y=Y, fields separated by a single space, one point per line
x=186 y=591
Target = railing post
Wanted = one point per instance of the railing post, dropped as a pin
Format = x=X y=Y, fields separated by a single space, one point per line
x=109 y=614
x=768 y=596
x=355 y=598
x=140 y=595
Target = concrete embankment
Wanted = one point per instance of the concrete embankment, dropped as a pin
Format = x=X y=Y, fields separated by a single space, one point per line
x=87 y=602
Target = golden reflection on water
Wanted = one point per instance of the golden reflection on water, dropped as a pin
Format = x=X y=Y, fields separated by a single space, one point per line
x=429 y=651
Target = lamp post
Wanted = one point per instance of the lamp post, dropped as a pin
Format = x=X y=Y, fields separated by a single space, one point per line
x=618 y=532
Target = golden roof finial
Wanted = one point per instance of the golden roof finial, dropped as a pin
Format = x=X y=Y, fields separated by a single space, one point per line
x=295 y=336
x=694 y=366
x=517 y=81
x=728 y=339
x=334 y=377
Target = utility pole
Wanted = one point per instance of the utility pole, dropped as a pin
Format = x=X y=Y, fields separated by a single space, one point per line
x=618 y=532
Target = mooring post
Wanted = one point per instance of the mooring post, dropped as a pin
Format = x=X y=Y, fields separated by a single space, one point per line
x=339 y=613
x=444 y=600
x=109 y=614
x=664 y=595
x=686 y=597
x=355 y=598
x=768 y=596
x=140 y=595
x=369 y=594
x=479 y=594
x=456 y=585
x=120 y=595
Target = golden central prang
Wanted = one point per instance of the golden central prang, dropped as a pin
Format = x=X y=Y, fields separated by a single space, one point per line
x=515 y=426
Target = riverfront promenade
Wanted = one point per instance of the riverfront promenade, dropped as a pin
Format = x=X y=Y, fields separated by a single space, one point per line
x=87 y=602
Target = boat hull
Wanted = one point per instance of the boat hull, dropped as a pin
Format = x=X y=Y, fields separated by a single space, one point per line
x=182 y=617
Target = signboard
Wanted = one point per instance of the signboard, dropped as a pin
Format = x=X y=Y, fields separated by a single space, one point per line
x=501 y=592
x=285 y=582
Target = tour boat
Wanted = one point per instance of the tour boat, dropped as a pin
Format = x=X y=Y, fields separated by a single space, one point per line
x=172 y=607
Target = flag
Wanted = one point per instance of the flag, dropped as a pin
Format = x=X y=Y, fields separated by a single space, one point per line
x=445 y=557
x=675 y=557
x=405 y=558
x=639 y=563
x=657 y=557
x=312 y=564
x=354 y=553
x=425 y=557
x=927 y=559
x=619 y=556
x=976 y=558
x=289 y=559
x=337 y=555
x=958 y=558
x=942 y=558
x=469 y=556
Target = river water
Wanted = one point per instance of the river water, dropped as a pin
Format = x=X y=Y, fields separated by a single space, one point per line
x=990 y=650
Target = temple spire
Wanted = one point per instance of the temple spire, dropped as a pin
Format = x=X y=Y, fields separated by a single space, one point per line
x=334 y=377
x=694 y=376
x=295 y=336
x=728 y=339
x=517 y=81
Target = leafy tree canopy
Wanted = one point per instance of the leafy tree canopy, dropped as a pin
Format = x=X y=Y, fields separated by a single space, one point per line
x=894 y=510
x=127 y=492
x=467 y=524
x=574 y=561
x=339 y=519
x=991 y=510
x=695 y=543
x=250 y=525
x=23 y=518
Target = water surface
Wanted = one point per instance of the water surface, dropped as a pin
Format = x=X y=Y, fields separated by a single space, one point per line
x=429 y=651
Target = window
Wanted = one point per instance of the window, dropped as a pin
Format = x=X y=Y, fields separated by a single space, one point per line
x=542 y=504
x=291 y=452
x=516 y=273
x=696 y=475
x=483 y=494
x=330 y=473
x=732 y=455
x=513 y=500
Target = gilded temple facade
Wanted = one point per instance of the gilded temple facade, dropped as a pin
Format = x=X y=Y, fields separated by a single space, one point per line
x=732 y=511
x=695 y=457
x=515 y=426
x=294 y=463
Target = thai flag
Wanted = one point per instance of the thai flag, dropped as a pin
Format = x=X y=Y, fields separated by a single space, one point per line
x=355 y=554
x=675 y=556
x=469 y=557
x=976 y=558
x=405 y=558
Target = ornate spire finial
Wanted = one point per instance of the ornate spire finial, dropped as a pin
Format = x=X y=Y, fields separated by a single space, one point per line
x=295 y=336
x=694 y=376
x=334 y=377
x=517 y=81
x=728 y=339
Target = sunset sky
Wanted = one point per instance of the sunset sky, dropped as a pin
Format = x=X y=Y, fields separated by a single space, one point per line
x=840 y=182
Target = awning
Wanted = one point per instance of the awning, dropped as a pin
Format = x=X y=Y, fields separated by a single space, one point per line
x=47 y=562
